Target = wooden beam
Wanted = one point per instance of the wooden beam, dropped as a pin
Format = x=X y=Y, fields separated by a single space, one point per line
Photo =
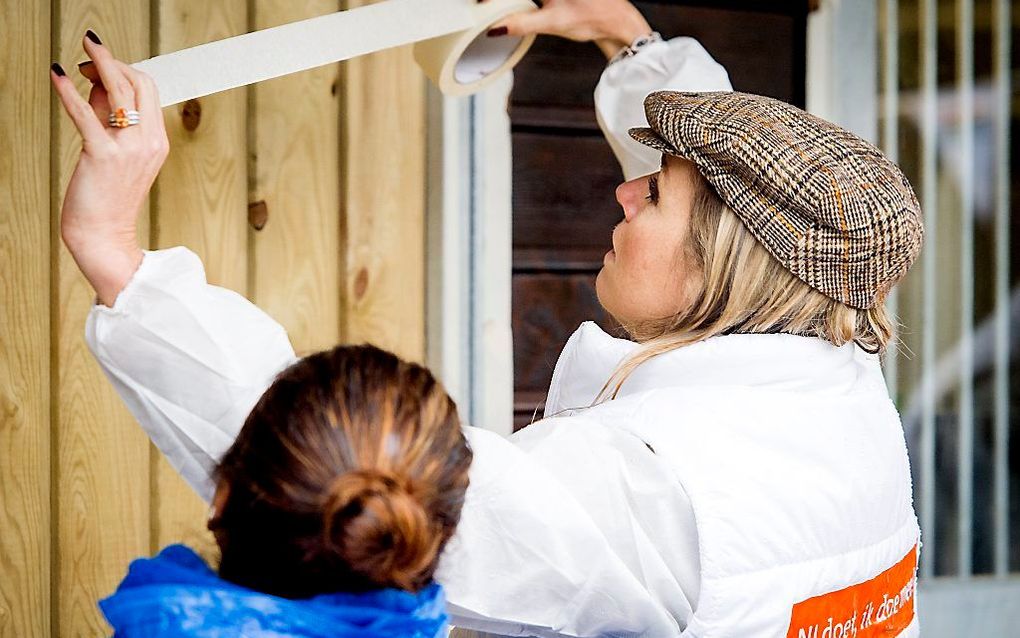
x=25 y=517
x=295 y=258
x=102 y=471
x=383 y=219
x=201 y=201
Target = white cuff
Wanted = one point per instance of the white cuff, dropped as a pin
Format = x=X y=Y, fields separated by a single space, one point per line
x=680 y=64
x=156 y=264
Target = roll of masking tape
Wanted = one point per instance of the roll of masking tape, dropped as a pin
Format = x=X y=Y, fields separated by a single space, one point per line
x=464 y=62
x=449 y=37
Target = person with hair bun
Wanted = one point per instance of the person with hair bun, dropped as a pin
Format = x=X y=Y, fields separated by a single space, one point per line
x=331 y=510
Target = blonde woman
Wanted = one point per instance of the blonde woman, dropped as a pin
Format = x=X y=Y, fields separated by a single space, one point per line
x=735 y=468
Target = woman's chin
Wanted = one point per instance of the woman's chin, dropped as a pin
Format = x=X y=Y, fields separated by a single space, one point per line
x=601 y=278
x=600 y=289
x=604 y=293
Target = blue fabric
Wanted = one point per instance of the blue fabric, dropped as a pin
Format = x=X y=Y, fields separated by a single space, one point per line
x=177 y=594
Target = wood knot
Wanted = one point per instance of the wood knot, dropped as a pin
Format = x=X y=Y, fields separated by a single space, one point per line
x=360 y=284
x=9 y=409
x=258 y=214
x=191 y=114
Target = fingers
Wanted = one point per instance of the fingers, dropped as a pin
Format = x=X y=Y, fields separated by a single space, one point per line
x=524 y=23
x=118 y=87
x=146 y=93
x=519 y=24
x=98 y=97
x=84 y=118
x=146 y=97
x=88 y=69
x=100 y=102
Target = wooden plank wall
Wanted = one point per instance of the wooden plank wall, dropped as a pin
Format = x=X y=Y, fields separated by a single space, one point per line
x=26 y=547
x=102 y=472
x=296 y=153
x=382 y=297
x=329 y=163
x=201 y=201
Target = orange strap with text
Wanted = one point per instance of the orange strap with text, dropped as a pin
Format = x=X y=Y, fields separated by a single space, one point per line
x=878 y=608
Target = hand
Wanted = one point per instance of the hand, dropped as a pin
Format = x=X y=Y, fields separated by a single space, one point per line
x=611 y=24
x=115 y=170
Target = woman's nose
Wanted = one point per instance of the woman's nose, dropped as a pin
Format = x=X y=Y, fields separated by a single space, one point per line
x=630 y=195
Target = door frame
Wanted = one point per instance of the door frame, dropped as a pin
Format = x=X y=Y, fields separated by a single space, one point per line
x=468 y=250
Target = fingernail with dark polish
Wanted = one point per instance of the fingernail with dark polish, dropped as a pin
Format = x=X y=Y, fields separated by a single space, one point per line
x=82 y=65
x=498 y=31
x=91 y=35
x=59 y=70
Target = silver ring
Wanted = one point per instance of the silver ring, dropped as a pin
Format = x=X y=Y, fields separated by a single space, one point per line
x=122 y=118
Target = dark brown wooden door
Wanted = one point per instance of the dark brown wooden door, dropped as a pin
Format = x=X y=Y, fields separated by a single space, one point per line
x=564 y=173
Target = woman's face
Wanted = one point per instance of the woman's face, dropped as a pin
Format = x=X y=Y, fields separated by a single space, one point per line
x=644 y=276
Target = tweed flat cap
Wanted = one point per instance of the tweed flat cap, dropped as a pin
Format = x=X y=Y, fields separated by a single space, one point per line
x=824 y=202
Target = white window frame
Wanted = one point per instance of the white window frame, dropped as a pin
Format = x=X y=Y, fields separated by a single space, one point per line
x=469 y=252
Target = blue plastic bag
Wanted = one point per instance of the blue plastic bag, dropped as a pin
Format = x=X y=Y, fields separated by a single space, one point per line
x=177 y=594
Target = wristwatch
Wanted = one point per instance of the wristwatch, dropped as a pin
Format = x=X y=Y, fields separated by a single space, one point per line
x=639 y=43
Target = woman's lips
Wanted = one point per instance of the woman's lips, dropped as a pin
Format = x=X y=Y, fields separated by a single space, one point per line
x=612 y=243
x=610 y=256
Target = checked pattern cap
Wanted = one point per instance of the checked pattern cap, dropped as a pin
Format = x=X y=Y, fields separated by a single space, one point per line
x=824 y=202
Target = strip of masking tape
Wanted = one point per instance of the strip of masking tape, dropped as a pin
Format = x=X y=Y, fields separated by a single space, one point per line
x=449 y=36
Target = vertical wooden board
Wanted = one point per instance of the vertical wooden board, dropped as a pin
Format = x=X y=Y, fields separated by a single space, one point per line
x=383 y=181
x=102 y=469
x=295 y=261
x=25 y=516
x=200 y=202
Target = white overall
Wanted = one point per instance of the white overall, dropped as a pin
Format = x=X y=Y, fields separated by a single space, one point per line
x=792 y=456
x=730 y=483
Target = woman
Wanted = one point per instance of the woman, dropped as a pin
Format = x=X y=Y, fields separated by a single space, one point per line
x=331 y=510
x=735 y=469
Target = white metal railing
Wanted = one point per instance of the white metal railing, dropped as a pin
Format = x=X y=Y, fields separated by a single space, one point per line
x=965 y=446
x=890 y=137
x=1002 y=91
x=929 y=203
x=949 y=368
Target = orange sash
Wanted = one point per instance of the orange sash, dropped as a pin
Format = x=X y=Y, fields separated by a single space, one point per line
x=878 y=608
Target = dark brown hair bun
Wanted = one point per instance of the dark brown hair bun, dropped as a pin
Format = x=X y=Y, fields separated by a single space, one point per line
x=380 y=528
x=349 y=474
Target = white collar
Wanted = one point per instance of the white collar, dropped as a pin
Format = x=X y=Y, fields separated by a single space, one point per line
x=778 y=362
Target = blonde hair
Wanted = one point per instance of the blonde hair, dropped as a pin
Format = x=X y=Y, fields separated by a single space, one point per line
x=743 y=289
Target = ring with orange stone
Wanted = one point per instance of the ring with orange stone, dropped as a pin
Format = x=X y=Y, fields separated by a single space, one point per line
x=123 y=118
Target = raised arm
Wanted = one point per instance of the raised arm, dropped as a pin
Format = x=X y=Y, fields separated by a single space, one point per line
x=188 y=359
x=681 y=64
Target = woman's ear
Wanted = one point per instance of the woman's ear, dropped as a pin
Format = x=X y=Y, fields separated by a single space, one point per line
x=218 y=503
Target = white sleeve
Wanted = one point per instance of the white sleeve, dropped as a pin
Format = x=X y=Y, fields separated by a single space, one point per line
x=680 y=64
x=189 y=359
x=528 y=560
